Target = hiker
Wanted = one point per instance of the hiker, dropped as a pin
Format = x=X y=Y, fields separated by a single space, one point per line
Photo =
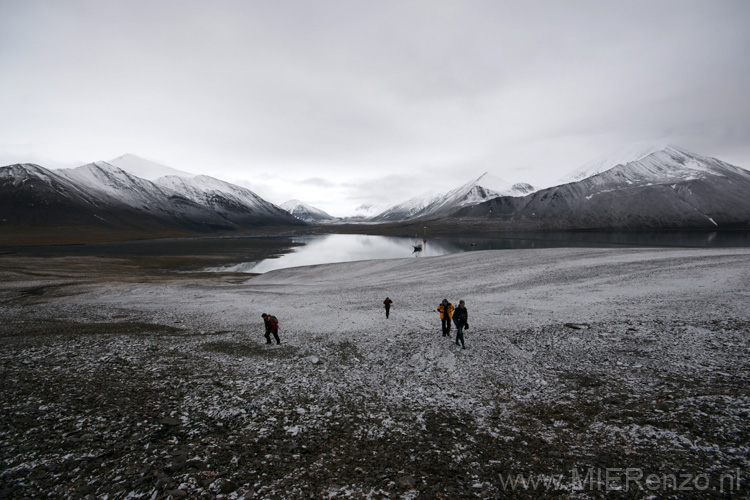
x=445 y=308
x=387 y=303
x=272 y=326
x=461 y=319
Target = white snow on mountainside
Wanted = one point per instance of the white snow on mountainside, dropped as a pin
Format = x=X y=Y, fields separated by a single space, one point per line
x=215 y=193
x=483 y=188
x=412 y=207
x=20 y=173
x=146 y=169
x=113 y=183
x=652 y=165
x=201 y=195
x=305 y=212
x=204 y=190
x=369 y=209
x=622 y=156
x=486 y=186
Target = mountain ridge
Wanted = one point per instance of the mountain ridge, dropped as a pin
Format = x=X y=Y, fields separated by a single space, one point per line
x=146 y=169
x=483 y=188
x=100 y=195
x=306 y=212
x=667 y=189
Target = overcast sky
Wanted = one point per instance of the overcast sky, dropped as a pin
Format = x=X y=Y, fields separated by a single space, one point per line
x=339 y=103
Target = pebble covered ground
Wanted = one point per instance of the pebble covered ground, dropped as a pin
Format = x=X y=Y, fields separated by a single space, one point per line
x=588 y=373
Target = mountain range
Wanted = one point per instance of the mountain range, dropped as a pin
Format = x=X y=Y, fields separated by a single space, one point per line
x=662 y=187
x=485 y=187
x=667 y=188
x=102 y=195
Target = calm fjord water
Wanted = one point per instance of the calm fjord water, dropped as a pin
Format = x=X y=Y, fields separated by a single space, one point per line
x=324 y=249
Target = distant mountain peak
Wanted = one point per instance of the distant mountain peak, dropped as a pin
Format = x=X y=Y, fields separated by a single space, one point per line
x=369 y=209
x=490 y=181
x=499 y=186
x=293 y=203
x=523 y=188
x=483 y=176
x=482 y=188
x=628 y=154
x=662 y=165
x=306 y=212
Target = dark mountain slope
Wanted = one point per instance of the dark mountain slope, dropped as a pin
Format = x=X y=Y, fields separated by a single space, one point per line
x=687 y=205
x=102 y=197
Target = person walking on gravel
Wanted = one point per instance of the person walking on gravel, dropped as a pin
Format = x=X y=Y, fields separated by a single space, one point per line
x=387 y=302
x=272 y=326
x=445 y=308
x=461 y=319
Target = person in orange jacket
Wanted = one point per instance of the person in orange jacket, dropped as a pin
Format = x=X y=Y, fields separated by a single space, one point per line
x=446 y=309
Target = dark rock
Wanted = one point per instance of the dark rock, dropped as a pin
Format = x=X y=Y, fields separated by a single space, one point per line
x=574 y=326
x=175 y=466
x=164 y=481
x=6 y=491
x=228 y=487
x=170 y=422
x=407 y=482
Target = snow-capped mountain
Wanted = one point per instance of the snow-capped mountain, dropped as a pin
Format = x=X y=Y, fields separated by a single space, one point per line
x=483 y=188
x=31 y=195
x=659 y=166
x=627 y=154
x=107 y=182
x=369 y=209
x=522 y=188
x=237 y=204
x=406 y=210
x=662 y=188
x=102 y=195
x=146 y=169
x=306 y=212
x=667 y=188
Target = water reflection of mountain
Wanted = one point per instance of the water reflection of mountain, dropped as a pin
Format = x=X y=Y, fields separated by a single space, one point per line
x=325 y=249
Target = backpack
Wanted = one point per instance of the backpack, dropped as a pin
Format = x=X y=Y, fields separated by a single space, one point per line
x=275 y=319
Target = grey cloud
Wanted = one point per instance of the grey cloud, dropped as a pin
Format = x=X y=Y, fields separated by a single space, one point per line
x=350 y=91
x=318 y=182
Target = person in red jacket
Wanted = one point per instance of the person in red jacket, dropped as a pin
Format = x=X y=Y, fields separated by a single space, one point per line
x=387 y=302
x=272 y=326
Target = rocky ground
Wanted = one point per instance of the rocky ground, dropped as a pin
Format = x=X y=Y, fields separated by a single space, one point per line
x=588 y=373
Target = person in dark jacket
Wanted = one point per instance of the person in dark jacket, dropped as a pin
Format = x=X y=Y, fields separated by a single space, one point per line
x=272 y=327
x=445 y=308
x=387 y=302
x=461 y=319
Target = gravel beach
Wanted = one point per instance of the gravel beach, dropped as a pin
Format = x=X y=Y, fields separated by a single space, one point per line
x=588 y=373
